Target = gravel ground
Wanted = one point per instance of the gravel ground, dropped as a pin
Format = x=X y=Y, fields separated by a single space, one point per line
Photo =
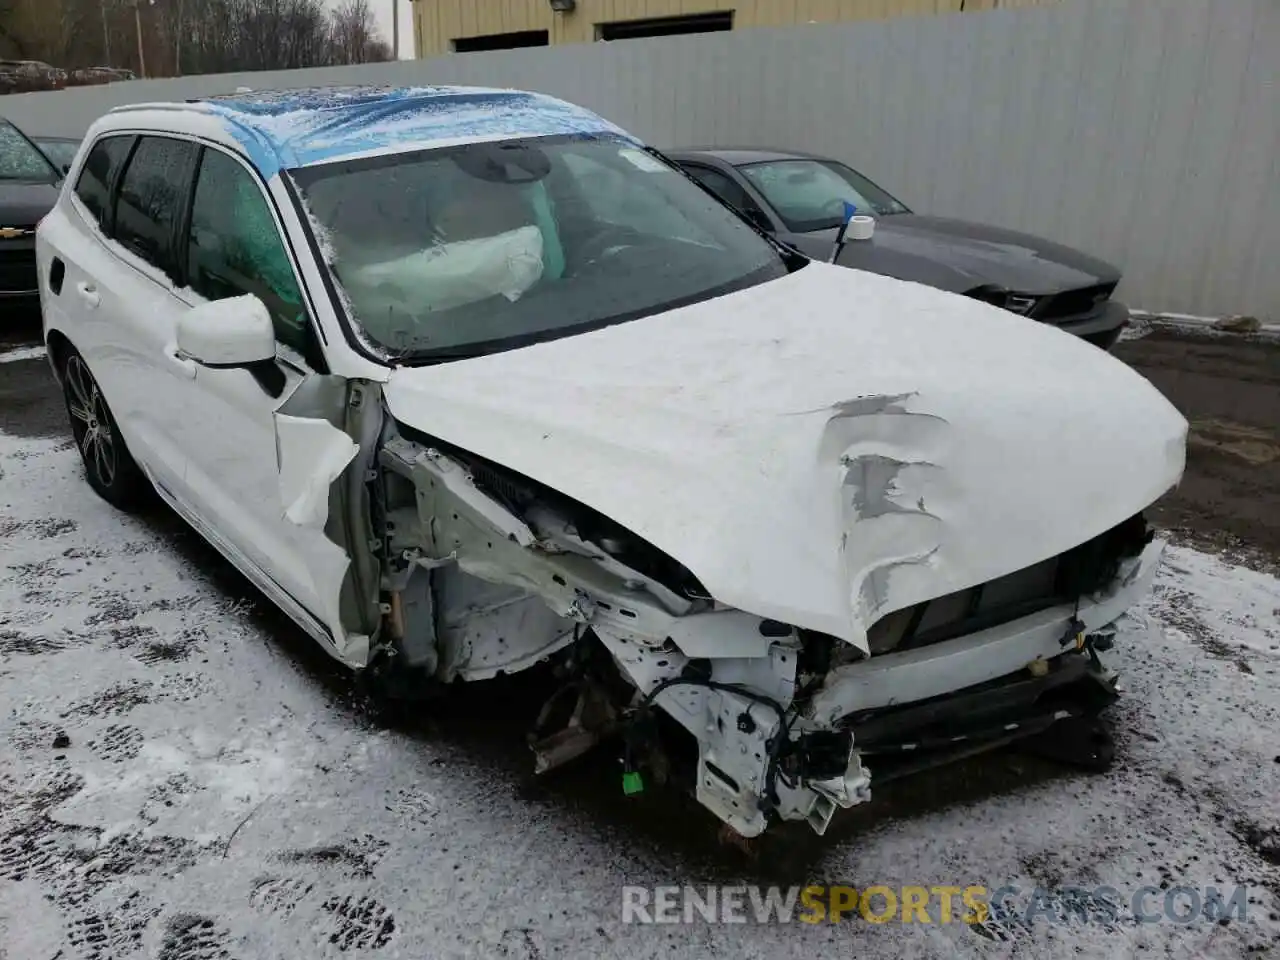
x=1229 y=388
x=185 y=778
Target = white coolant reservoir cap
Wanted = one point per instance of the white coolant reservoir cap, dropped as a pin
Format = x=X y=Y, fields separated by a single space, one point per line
x=860 y=228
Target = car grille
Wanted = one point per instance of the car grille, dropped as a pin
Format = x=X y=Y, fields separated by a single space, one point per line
x=1059 y=580
x=1073 y=303
x=17 y=270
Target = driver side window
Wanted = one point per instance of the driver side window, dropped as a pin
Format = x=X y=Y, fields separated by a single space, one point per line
x=729 y=191
x=235 y=247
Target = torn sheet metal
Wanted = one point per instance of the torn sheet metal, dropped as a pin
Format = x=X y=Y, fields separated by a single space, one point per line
x=311 y=454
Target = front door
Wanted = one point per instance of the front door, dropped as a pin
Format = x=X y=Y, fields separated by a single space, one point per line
x=234 y=247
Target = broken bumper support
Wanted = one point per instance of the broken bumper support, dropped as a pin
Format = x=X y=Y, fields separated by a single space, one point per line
x=901 y=712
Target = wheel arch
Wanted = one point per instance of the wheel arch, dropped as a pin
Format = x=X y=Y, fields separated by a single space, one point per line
x=59 y=347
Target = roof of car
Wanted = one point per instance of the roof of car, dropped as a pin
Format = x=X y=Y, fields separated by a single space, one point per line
x=740 y=156
x=294 y=128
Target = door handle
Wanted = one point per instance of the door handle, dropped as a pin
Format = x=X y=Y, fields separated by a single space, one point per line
x=89 y=294
x=186 y=367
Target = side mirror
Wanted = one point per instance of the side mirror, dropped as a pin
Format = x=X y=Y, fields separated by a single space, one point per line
x=236 y=332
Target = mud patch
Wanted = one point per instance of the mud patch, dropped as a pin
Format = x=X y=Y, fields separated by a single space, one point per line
x=279 y=895
x=358 y=923
x=359 y=856
x=1176 y=608
x=85 y=553
x=1230 y=392
x=1253 y=445
x=15 y=643
x=39 y=573
x=190 y=936
x=110 y=936
x=130 y=635
x=48 y=528
x=133 y=855
x=33 y=735
x=1264 y=841
x=118 y=743
x=164 y=651
x=52 y=789
x=115 y=700
x=30 y=852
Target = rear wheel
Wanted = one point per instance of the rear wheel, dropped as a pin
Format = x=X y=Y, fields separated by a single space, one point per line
x=108 y=465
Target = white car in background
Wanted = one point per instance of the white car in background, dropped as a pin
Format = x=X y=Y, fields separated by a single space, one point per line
x=469 y=380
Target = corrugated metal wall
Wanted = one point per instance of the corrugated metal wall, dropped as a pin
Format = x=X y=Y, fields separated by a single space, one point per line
x=439 y=22
x=1145 y=131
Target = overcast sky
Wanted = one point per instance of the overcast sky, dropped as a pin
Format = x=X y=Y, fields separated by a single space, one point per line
x=382 y=12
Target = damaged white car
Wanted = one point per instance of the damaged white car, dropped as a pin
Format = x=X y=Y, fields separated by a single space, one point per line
x=470 y=380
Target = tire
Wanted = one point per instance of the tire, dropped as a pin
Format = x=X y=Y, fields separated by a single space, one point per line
x=108 y=466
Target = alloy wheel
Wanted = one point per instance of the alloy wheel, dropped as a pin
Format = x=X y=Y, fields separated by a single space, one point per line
x=91 y=422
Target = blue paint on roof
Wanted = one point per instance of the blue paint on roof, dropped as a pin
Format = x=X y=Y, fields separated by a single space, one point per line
x=295 y=128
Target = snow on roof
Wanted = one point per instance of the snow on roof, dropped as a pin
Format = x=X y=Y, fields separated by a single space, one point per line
x=292 y=128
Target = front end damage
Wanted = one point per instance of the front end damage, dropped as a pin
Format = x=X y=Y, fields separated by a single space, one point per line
x=485 y=572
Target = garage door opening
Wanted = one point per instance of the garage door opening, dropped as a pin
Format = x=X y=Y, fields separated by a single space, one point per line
x=665 y=26
x=502 y=41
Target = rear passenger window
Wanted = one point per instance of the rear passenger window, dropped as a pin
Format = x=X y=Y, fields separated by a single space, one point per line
x=94 y=185
x=152 y=191
x=235 y=247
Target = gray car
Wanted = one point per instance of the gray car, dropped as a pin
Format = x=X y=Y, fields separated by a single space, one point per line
x=800 y=199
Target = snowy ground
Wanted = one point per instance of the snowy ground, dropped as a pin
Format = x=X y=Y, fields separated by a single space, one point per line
x=181 y=778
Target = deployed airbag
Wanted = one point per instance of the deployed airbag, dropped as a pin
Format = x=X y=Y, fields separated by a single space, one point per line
x=443 y=277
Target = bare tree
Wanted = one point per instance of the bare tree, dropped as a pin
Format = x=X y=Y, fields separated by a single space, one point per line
x=355 y=38
x=190 y=36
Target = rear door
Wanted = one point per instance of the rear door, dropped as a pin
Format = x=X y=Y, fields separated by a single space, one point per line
x=119 y=287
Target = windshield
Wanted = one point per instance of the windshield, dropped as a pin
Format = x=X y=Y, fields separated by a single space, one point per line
x=466 y=250
x=19 y=158
x=59 y=150
x=810 y=194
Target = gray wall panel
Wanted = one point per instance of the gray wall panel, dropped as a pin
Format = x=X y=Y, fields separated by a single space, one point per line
x=1145 y=131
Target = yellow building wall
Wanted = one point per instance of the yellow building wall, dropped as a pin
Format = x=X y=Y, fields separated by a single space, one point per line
x=438 y=22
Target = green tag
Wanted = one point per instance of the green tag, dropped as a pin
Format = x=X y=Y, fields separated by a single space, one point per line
x=632 y=783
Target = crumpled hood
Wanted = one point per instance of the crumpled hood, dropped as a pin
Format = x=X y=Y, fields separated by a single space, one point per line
x=826 y=448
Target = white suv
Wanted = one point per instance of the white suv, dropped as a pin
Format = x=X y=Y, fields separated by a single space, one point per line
x=469 y=380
